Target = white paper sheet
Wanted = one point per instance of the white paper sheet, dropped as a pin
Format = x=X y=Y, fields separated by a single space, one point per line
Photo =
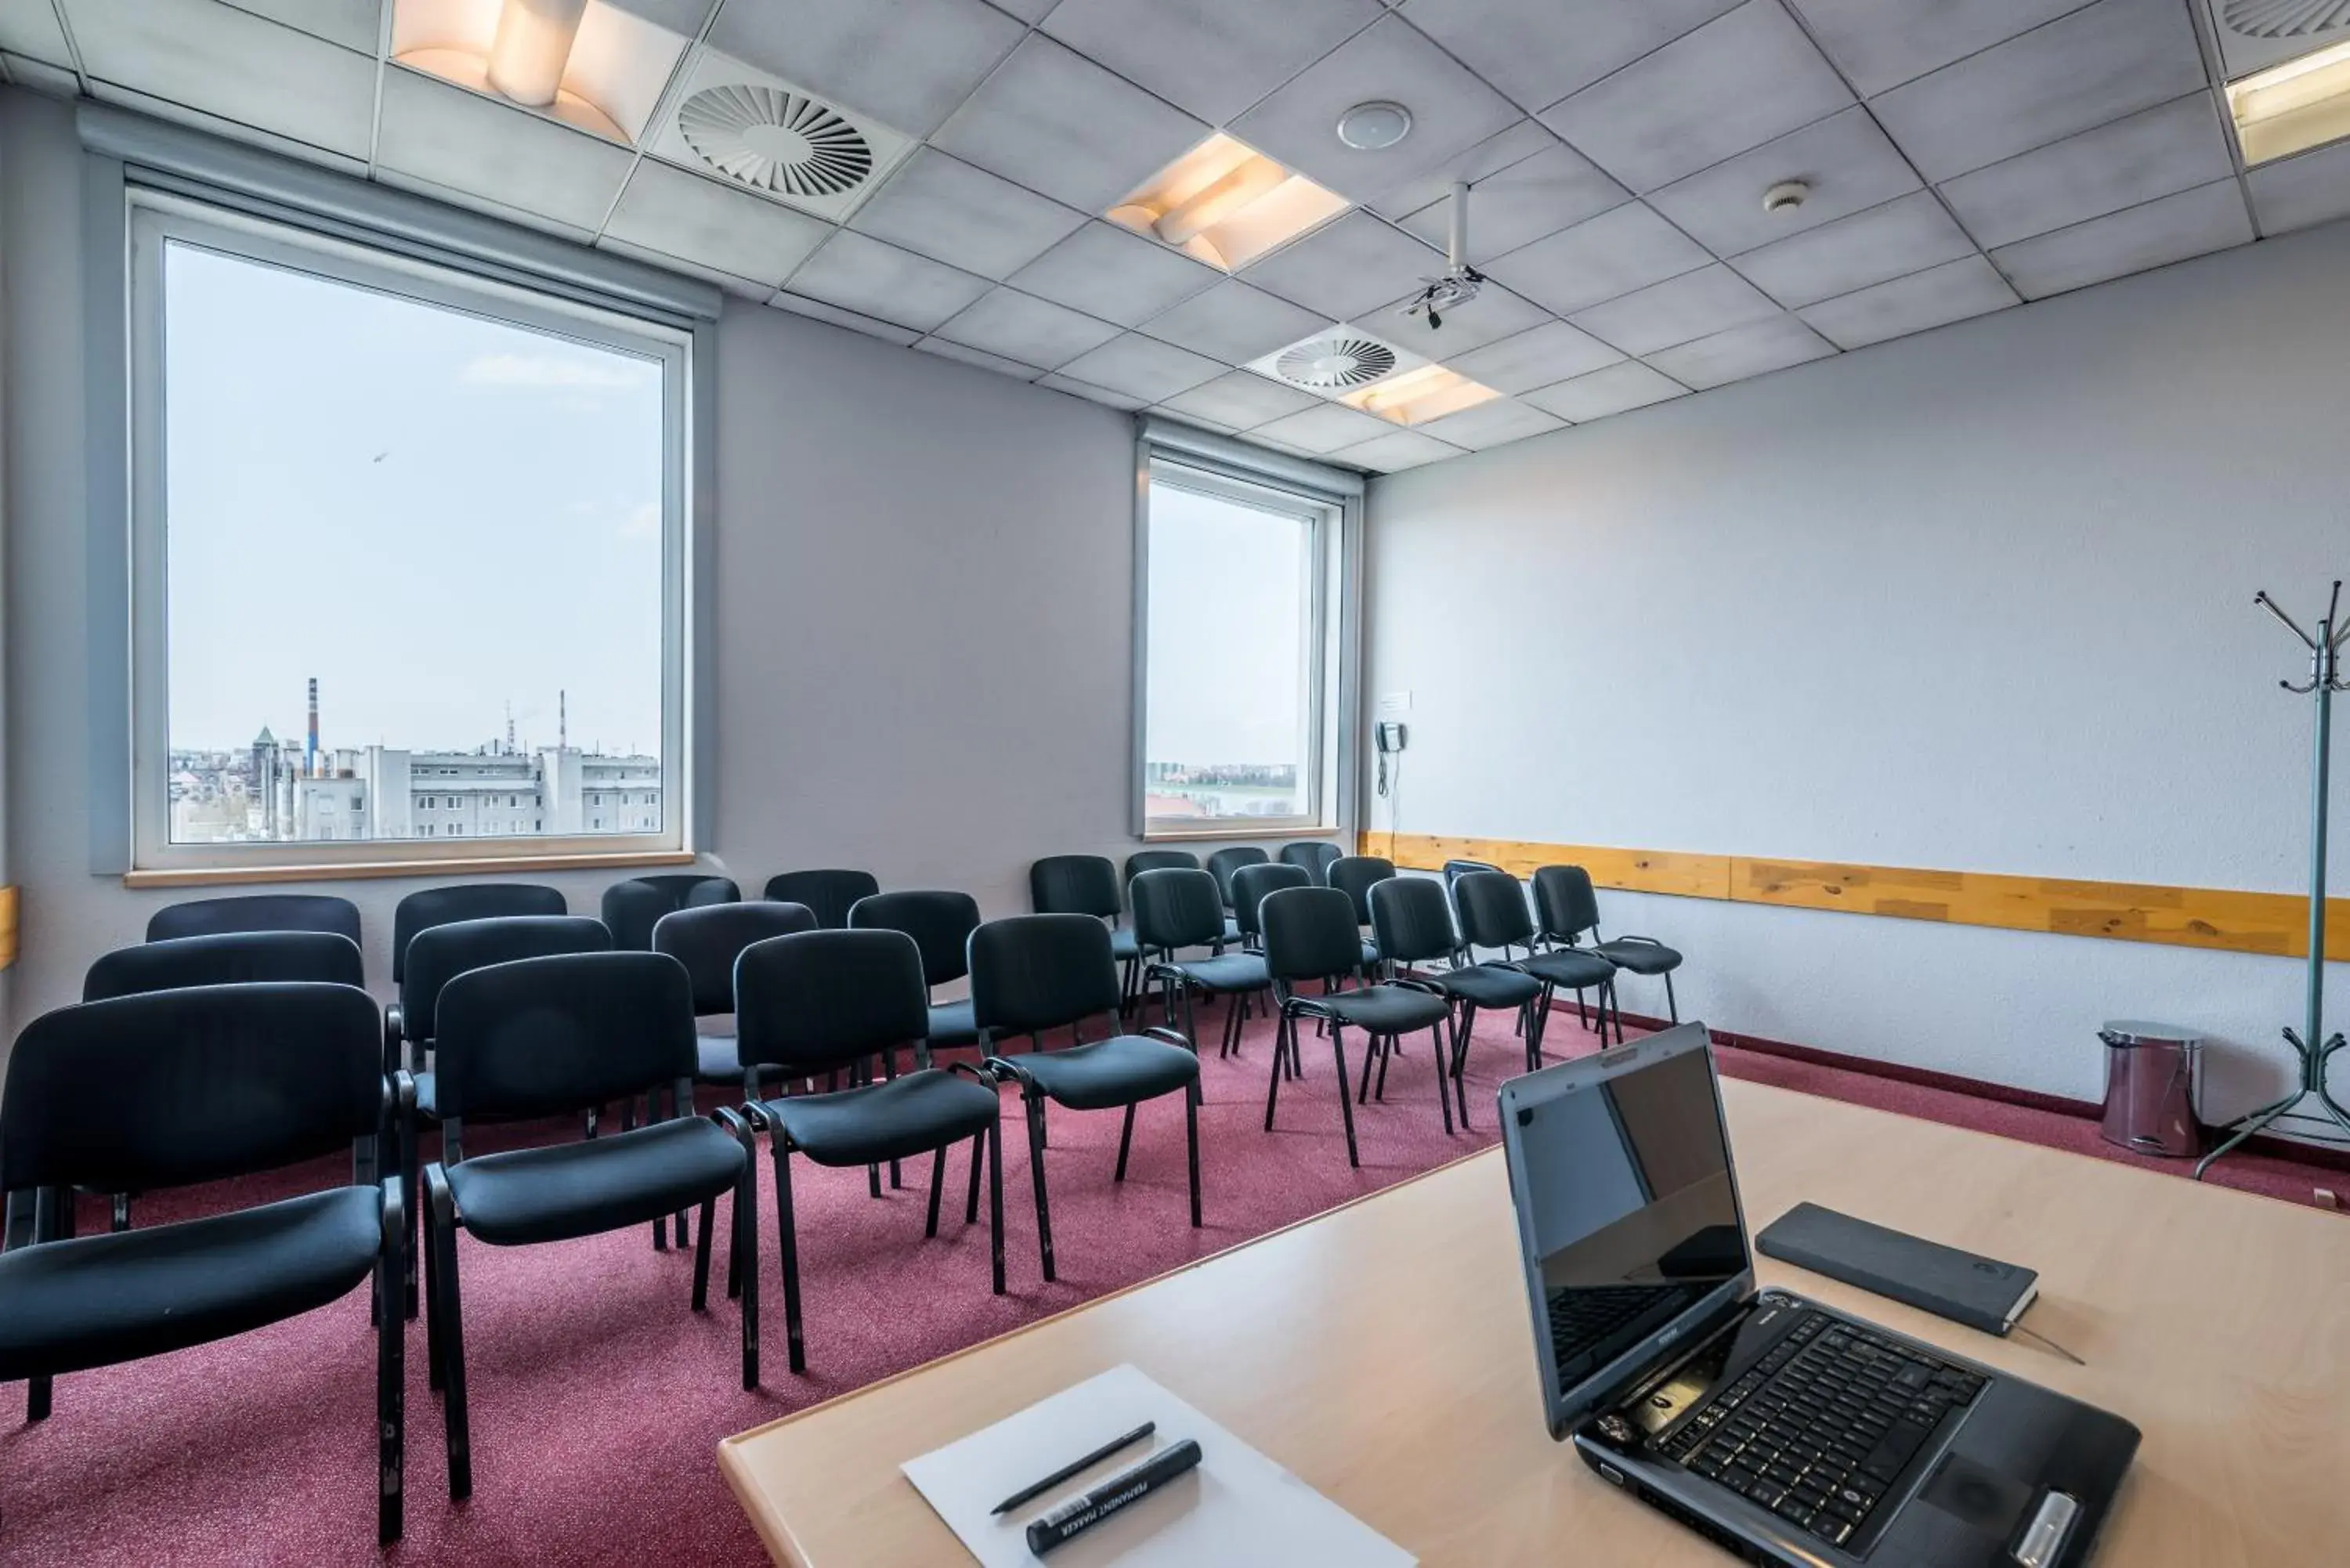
x=1237 y=1510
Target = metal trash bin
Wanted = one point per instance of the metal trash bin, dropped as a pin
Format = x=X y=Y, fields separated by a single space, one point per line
x=2153 y=1074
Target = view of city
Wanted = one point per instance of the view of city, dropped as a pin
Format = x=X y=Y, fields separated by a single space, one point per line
x=1221 y=789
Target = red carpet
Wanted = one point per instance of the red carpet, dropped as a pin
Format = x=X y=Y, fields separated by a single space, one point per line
x=598 y=1399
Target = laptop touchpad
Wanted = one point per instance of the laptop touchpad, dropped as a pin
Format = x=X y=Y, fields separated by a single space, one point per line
x=1991 y=1502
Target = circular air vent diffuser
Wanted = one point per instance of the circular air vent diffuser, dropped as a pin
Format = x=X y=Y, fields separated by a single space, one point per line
x=2284 y=18
x=777 y=141
x=1336 y=363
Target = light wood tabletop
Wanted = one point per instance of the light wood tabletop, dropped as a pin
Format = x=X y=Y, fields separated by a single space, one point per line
x=1383 y=1351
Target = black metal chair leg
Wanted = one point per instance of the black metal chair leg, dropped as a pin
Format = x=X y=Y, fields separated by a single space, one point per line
x=743 y=1250
x=391 y=1398
x=1447 y=1074
x=971 y=1206
x=1192 y=1136
x=435 y=1354
x=1282 y=1034
x=1616 y=1007
x=1346 y=1106
x=1460 y=1083
x=795 y=1353
x=409 y=1189
x=1036 y=1174
x=1672 y=1008
x=1125 y=1141
x=36 y=1398
x=995 y=1201
x=709 y=1217
x=1386 y=1044
x=455 y=1417
x=938 y=1185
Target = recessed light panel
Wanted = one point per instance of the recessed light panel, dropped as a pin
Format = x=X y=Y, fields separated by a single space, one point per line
x=2290 y=108
x=1416 y=397
x=1225 y=204
x=601 y=71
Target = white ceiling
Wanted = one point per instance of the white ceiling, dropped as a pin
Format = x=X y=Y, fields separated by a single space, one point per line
x=1963 y=156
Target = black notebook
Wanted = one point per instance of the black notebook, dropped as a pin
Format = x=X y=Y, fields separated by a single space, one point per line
x=1981 y=1293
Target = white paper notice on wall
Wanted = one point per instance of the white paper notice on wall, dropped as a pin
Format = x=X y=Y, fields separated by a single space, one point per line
x=1237 y=1510
x=1394 y=702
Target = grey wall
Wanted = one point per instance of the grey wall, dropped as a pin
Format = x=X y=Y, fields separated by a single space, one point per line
x=1977 y=601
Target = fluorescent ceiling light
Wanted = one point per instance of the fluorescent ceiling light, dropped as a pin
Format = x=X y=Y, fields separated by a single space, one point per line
x=1416 y=397
x=2289 y=108
x=584 y=62
x=1225 y=204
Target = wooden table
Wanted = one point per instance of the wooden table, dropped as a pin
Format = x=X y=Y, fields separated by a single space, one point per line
x=1383 y=1351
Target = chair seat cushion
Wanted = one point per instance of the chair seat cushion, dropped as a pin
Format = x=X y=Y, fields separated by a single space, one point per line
x=96 y=1300
x=1227 y=972
x=595 y=1185
x=1640 y=958
x=1570 y=969
x=1122 y=945
x=1490 y=985
x=887 y=1120
x=951 y=1025
x=1384 y=1008
x=1119 y=1071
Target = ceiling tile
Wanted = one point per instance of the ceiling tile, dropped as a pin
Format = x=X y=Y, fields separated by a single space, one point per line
x=1935 y=298
x=232 y=64
x=1742 y=351
x=1033 y=331
x=1694 y=305
x=1092 y=394
x=1026 y=10
x=454 y=138
x=350 y=22
x=1346 y=266
x=1212 y=57
x=858 y=273
x=1614 y=390
x=1538 y=51
x=1452 y=112
x=1241 y=400
x=943 y=208
x=1489 y=156
x=1234 y=323
x=2294 y=192
x=1623 y=249
x=394 y=179
x=1142 y=368
x=680 y=214
x=1541 y=357
x=216 y=125
x=1206 y=424
x=1107 y=272
x=1907 y=235
x=681 y=17
x=1518 y=205
x=2103 y=61
x=2166 y=148
x=817 y=310
x=906 y=62
x=30 y=27
x=1734 y=83
x=1849 y=164
x=1493 y=314
x=1054 y=122
x=1881 y=44
x=2171 y=228
x=1325 y=429
x=1493 y=424
x=945 y=349
x=1397 y=450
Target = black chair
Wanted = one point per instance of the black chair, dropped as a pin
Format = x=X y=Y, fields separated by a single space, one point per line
x=1030 y=973
x=707 y=941
x=941 y=924
x=1313 y=854
x=631 y=908
x=1310 y=934
x=1174 y=909
x=540 y=1037
x=1086 y=885
x=464 y=901
x=256 y=912
x=831 y=894
x=1144 y=860
x=1493 y=914
x=1250 y=885
x=823 y=1001
x=1453 y=871
x=1578 y=970
x=1222 y=864
x=1355 y=875
x=231 y=958
x=1414 y=922
x=260 y=1076
x=1569 y=910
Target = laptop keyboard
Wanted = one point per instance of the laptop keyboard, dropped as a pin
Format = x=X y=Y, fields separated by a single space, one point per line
x=1822 y=1426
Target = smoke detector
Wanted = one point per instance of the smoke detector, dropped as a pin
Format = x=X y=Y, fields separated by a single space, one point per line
x=1786 y=196
x=766 y=135
x=1337 y=360
x=1374 y=126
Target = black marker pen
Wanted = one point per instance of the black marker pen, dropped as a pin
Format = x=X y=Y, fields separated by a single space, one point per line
x=1076 y=1516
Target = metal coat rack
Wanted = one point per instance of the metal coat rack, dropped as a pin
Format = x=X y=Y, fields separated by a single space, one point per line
x=2312 y=1046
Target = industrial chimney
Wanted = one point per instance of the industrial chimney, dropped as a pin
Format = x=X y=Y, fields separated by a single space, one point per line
x=310 y=746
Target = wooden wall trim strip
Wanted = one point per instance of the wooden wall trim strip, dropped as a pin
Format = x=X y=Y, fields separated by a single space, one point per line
x=2220 y=918
x=8 y=899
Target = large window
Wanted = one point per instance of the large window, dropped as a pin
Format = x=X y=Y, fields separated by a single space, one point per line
x=1238 y=657
x=408 y=557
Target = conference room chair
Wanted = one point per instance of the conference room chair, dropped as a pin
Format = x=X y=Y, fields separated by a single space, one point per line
x=830 y=893
x=941 y=924
x=1355 y=875
x=1453 y=871
x=261 y=1076
x=551 y=1036
x=1087 y=885
x=1250 y=885
x=819 y=1003
x=1569 y=910
x=1175 y=909
x=256 y=912
x=1506 y=923
x=1222 y=864
x=631 y=908
x=708 y=940
x=1031 y=973
x=1316 y=855
x=1143 y=860
x=1413 y=919
x=1493 y=914
x=464 y=901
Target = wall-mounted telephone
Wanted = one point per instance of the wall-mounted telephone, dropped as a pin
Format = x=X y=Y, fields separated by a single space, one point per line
x=1390 y=737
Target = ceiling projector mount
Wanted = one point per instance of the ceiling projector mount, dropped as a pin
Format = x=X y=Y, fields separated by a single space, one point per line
x=1460 y=282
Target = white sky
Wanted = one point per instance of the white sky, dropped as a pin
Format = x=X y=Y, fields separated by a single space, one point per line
x=1228 y=586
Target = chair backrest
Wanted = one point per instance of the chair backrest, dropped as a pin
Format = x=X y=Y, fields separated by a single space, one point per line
x=940 y=922
x=225 y=1080
x=439 y=954
x=1252 y=883
x=1313 y=854
x=1493 y=912
x=631 y=908
x=709 y=940
x=1564 y=900
x=1224 y=862
x=256 y=912
x=1143 y=860
x=541 y=1037
x=1034 y=973
x=821 y=999
x=1073 y=884
x=232 y=958
x=830 y=893
x=1412 y=919
x=465 y=901
x=1176 y=908
x=1456 y=869
x=1355 y=875
x=1310 y=934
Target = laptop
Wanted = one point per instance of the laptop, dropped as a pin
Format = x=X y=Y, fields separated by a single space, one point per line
x=1783 y=1430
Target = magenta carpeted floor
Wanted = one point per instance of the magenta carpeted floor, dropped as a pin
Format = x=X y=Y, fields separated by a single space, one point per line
x=599 y=1397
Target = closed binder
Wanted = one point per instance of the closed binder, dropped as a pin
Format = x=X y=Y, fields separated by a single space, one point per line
x=1981 y=1293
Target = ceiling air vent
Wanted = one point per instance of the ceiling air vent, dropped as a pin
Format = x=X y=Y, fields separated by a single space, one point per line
x=751 y=130
x=2283 y=18
x=1336 y=364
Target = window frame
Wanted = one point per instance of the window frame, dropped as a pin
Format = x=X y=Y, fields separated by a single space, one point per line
x=154 y=219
